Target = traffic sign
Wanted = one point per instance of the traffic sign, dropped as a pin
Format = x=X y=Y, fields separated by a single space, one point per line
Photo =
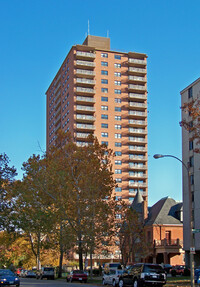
x=195 y=230
x=192 y=250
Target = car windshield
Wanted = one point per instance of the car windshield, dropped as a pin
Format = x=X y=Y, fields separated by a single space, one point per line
x=152 y=268
x=78 y=272
x=6 y=272
x=114 y=265
x=48 y=269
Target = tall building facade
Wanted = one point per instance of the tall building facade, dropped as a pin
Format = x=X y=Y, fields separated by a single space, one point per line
x=104 y=92
x=192 y=159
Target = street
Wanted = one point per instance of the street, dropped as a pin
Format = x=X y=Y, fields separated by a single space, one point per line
x=29 y=282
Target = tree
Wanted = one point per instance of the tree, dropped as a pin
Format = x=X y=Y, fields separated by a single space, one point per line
x=7 y=175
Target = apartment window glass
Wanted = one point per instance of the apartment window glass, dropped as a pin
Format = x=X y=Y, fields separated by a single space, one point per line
x=118 y=189
x=105 y=126
x=105 y=135
x=104 y=90
x=105 y=143
x=104 y=72
x=191 y=161
x=104 y=64
x=118 y=136
x=104 y=117
x=118 y=162
x=192 y=179
x=190 y=145
x=117 y=109
x=190 y=93
x=118 y=153
x=117 y=144
x=117 y=65
x=118 y=57
x=117 y=74
x=118 y=118
x=104 y=99
x=118 y=127
x=104 y=81
x=118 y=101
x=104 y=55
x=118 y=171
x=104 y=108
x=118 y=180
x=118 y=83
x=117 y=91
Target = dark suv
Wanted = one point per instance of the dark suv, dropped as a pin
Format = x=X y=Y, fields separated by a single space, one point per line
x=143 y=274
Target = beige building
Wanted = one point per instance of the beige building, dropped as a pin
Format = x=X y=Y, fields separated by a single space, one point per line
x=193 y=160
x=104 y=92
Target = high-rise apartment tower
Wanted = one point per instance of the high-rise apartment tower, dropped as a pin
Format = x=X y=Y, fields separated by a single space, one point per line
x=104 y=92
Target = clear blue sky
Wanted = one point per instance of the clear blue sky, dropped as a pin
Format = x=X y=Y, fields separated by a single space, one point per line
x=35 y=36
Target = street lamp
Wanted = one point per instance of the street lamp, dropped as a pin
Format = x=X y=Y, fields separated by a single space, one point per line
x=156 y=156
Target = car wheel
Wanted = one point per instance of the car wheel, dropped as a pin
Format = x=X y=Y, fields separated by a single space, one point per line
x=135 y=283
x=85 y=281
x=121 y=283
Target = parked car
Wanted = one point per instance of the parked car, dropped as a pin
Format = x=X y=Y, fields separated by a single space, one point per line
x=30 y=274
x=142 y=274
x=197 y=275
x=18 y=271
x=8 y=278
x=77 y=275
x=167 y=267
x=23 y=273
x=46 y=272
x=111 y=277
x=112 y=265
x=180 y=270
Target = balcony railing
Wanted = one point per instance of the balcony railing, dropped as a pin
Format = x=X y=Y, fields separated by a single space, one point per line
x=138 y=148
x=137 y=157
x=85 y=117
x=85 y=72
x=137 y=123
x=137 y=131
x=85 y=99
x=168 y=242
x=84 y=126
x=137 y=105
x=135 y=184
x=85 y=90
x=138 y=167
x=85 y=108
x=137 y=87
x=85 y=81
x=82 y=135
x=137 y=61
x=137 y=70
x=85 y=54
x=136 y=78
x=85 y=63
x=136 y=113
x=137 y=139
x=137 y=96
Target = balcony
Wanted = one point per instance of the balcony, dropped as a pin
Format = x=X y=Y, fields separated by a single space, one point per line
x=137 y=131
x=82 y=135
x=87 y=64
x=88 y=100
x=136 y=79
x=57 y=104
x=84 y=118
x=58 y=127
x=136 y=87
x=137 y=62
x=136 y=184
x=85 y=73
x=85 y=127
x=85 y=109
x=57 y=88
x=137 y=114
x=137 y=123
x=137 y=106
x=57 y=120
x=85 y=81
x=170 y=246
x=137 y=175
x=137 y=70
x=138 y=148
x=137 y=96
x=58 y=111
x=137 y=140
x=82 y=91
x=137 y=167
x=85 y=55
x=137 y=157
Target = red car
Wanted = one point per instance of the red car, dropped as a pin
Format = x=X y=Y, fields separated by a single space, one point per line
x=180 y=270
x=77 y=275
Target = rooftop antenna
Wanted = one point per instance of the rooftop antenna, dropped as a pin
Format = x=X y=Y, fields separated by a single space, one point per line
x=107 y=33
x=88 y=27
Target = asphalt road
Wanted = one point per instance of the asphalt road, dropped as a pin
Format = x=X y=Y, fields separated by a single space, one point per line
x=29 y=282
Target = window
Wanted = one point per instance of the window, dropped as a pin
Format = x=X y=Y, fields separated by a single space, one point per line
x=118 y=144
x=119 y=162
x=118 y=57
x=118 y=180
x=118 y=171
x=117 y=216
x=118 y=189
x=104 y=99
x=105 y=143
x=190 y=92
x=104 y=117
x=192 y=179
x=117 y=109
x=118 y=127
x=118 y=83
x=117 y=65
x=118 y=198
x=191 y=126
x=131 y=199
x=118 y=101
x=105 y=126
x=118 y=153
x=191 y=161
x=117 y=74
x=104 y=90
x=105 y=135
x=104 y=72
x=117 y=92
x=118 y=136
x=104 y=55
x=105 y=64
x=190 y=145
x=104 y=81
x=104 y=108
x=118 y=118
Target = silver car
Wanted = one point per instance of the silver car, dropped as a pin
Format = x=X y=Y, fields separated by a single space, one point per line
x=111 y=276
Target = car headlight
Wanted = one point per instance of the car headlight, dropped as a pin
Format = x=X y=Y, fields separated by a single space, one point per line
x=144 y=274
x=16 y=278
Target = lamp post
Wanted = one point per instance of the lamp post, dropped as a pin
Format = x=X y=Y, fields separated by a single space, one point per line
x=156 y=156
